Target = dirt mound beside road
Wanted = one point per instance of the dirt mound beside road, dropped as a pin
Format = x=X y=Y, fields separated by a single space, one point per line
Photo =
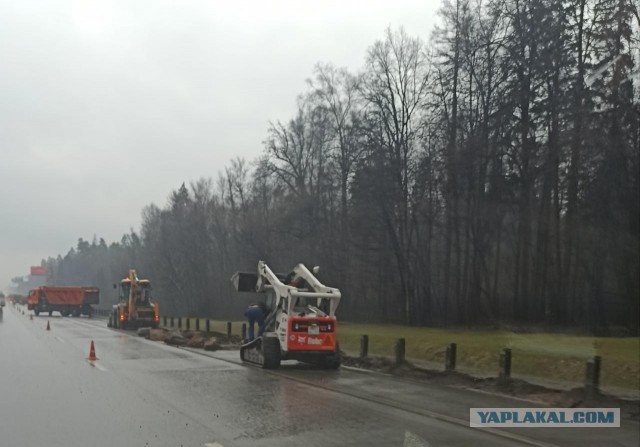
x=629 y=409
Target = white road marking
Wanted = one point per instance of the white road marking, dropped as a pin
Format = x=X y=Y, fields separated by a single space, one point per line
x=212 y=444
x=60 y=339
x=98 y=366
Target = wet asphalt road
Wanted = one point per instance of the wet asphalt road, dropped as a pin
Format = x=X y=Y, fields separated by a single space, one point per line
x=143 y=393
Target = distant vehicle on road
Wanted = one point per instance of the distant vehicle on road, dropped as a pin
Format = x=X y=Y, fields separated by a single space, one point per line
x=74 y=301
x=17 y=299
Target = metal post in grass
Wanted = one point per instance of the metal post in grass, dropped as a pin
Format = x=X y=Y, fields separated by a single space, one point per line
x=228 y=329
x=592 y=383
x=197 y=324
x=364 y=346
x=188 y=323
x=505 y=365
x=244 y=331
x=450 y=359
x=207 y=325
x=164 y=321
x=172 y=322
x=399 y=350
x=179 y=322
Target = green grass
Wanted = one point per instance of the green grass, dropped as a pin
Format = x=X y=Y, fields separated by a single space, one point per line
x=545 y=356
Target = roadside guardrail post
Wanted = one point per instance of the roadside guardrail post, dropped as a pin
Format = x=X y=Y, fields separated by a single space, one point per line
x=450 y=359
x=207 y=325
x=592 y=384
x=188 y=323
x=244 y=331
x=172 y=322
x=197 y=324
x=505 y=365
x=164 y=321
x=179 y=322
x=364 y=346
x=399 y=349
x=228 y=329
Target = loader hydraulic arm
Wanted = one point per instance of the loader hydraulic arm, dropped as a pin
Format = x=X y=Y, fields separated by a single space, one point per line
x=133 y=290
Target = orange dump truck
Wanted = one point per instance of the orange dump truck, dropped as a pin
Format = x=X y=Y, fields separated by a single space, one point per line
x=74 y=301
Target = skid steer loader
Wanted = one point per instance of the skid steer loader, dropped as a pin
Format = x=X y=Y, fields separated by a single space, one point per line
x=301 y=322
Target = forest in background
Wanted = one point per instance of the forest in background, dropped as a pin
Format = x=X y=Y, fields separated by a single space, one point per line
x=487 y=177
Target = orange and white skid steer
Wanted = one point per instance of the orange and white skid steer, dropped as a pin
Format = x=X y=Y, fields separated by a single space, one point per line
x=301 y=319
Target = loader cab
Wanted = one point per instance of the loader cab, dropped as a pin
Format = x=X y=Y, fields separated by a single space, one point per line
x=305 y=305
x=300 y=304
x=143 y=292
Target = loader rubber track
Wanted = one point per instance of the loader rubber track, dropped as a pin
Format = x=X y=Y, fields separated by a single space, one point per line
x=263 y=352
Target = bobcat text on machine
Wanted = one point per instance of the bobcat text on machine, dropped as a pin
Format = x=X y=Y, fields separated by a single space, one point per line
x=301 y=321
x=135 y=308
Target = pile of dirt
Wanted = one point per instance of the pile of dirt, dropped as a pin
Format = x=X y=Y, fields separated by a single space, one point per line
x=157 y=334
x=212 y=344
x=629 y=409
x=175 y=338
x=211 y=341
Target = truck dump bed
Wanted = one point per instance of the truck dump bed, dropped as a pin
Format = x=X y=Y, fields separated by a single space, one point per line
x=70 y=296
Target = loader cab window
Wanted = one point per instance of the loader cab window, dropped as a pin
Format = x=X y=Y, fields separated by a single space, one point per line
x=143 y=294
x=302 y=304
x=124 y=291
x=270 y=301
x=324 y=305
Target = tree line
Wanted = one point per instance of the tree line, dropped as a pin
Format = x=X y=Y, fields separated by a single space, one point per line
x=489 y=176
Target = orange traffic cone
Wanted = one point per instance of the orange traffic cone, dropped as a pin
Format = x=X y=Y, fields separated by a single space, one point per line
x=48 y=326
x=92 y=353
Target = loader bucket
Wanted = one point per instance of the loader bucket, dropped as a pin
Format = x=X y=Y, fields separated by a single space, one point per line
x=244 y=282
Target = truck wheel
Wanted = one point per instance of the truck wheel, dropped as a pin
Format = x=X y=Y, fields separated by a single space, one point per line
x=50 y=313
x=109 y=322
x=36 y=311
x=271 y=352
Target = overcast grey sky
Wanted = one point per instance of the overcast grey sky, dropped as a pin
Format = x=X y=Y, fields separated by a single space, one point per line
x=106 y=106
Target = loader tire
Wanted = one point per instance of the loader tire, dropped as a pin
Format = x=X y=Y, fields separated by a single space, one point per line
x=271 y=352
x=331 y=361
